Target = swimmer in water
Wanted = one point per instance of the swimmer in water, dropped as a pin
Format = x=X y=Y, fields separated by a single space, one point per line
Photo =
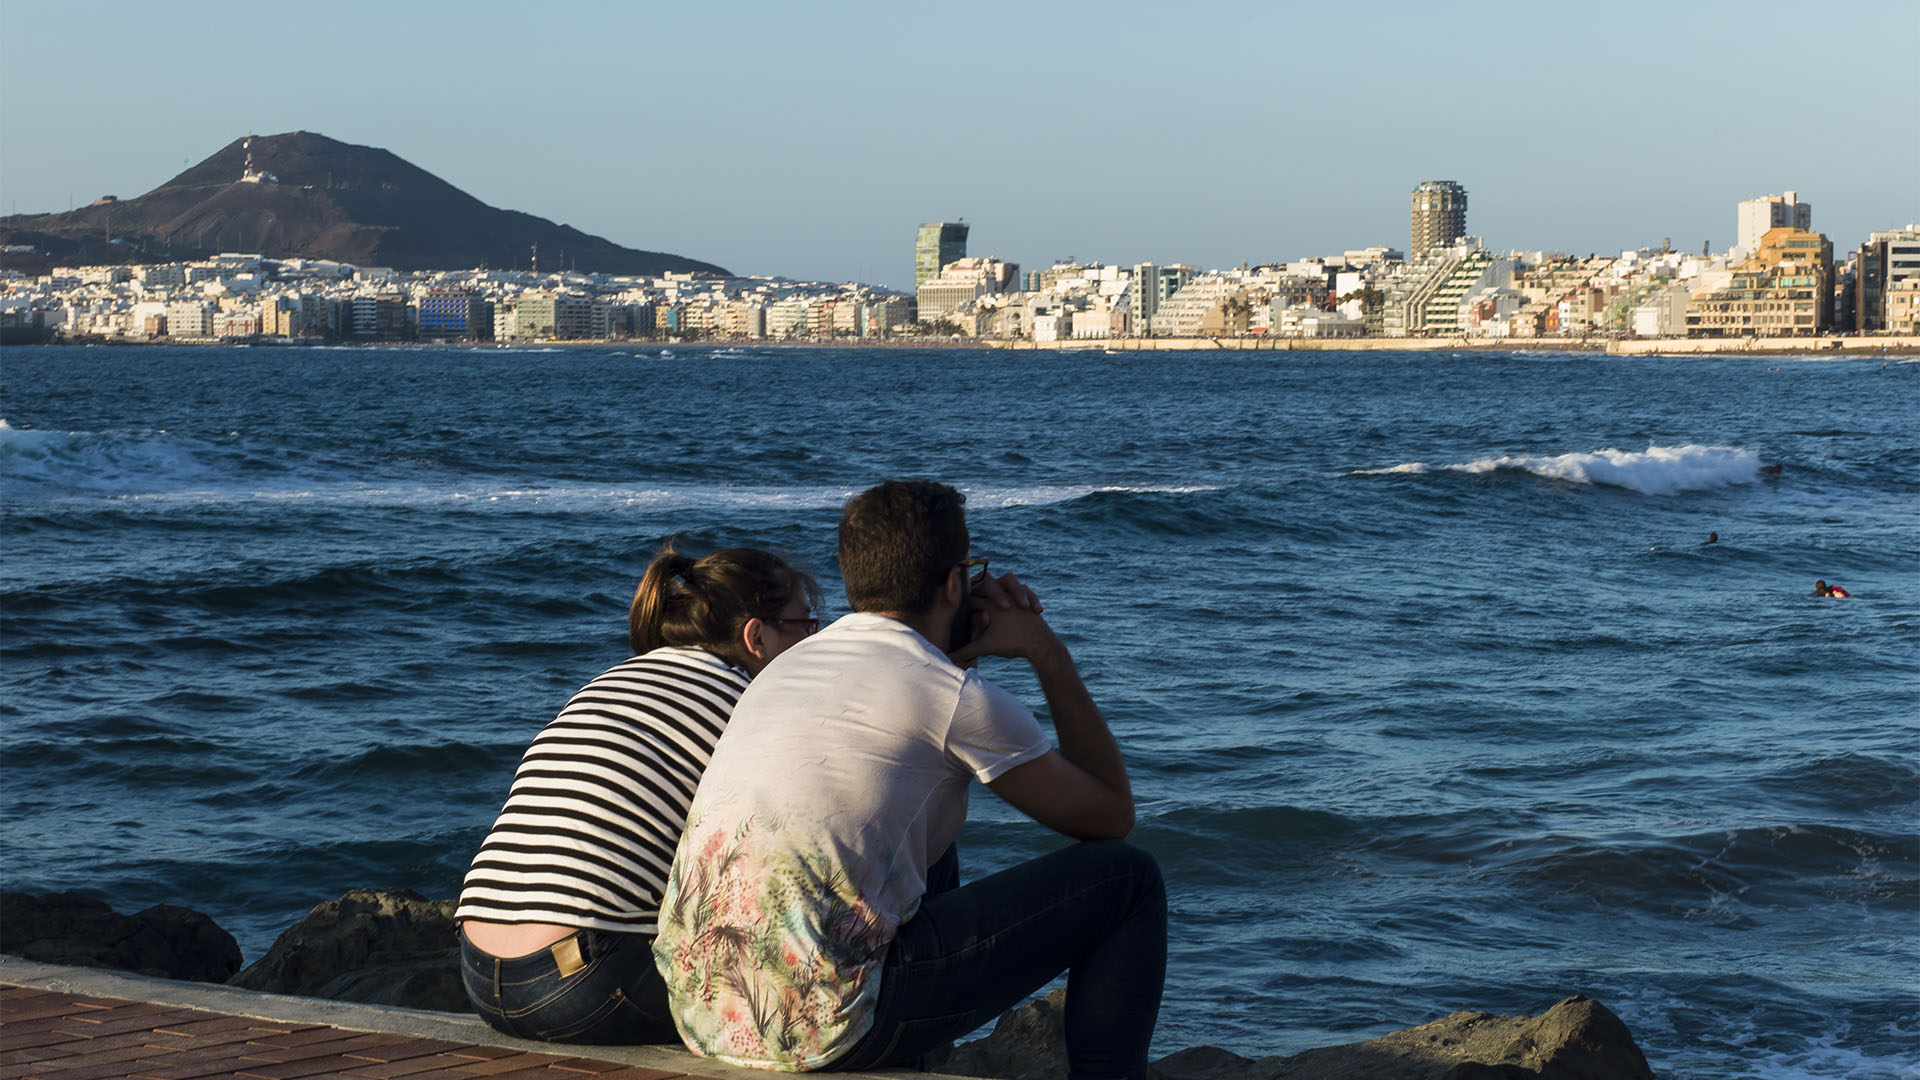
x=1821 y=588
x=1713 y=538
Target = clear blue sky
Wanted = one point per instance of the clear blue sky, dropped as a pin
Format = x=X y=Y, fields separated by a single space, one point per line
x=810 y=139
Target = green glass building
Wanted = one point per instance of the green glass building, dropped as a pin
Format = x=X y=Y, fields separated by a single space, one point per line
x=937 y=244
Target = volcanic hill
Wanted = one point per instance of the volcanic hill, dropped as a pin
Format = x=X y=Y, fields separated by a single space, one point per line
x=308 y=196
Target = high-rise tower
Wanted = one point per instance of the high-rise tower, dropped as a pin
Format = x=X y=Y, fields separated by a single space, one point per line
x=937 y=244
x=1439 y=215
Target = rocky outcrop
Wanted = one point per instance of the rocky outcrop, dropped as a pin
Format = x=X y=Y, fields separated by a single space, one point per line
x=1576 y=1039
x=69 y=928
x=377 y=946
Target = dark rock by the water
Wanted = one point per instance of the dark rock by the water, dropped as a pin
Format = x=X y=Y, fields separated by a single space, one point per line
x=1576 y=1039
x=1028 y=1042
x=69 y=928
x=375 y=946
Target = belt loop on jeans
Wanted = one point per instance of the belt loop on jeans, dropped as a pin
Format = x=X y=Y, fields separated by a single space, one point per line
x=567 y=956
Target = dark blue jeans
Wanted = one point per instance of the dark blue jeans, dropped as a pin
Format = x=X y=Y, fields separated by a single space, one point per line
x=594 y=987
x=1096 y=910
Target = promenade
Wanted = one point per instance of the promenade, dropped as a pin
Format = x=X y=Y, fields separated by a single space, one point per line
x=68 y=1023
x=1900 y=345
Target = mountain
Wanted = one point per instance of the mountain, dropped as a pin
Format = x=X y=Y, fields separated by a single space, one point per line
x=302 y=195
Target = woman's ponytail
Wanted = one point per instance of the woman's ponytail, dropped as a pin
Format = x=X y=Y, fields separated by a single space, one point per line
x=655 y=597
x=706 y=603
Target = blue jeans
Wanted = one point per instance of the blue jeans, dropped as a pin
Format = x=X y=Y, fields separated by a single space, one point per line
x=592 y=987
x=1096 y=910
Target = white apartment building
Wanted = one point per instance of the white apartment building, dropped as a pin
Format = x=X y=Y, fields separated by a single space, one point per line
x=166 y=275
x=1903 y=307
x=1182 y=314
x=964 y=281
x=785 y=319
x=1756 y=216
x=1663 y=313
x=189 y=318
x=1092 y=324
x=1311 y=322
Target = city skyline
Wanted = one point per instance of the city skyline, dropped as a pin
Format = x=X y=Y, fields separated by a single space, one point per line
x=808 y=143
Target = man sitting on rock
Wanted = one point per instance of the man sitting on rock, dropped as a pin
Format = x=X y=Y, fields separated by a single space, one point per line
x=798 y=929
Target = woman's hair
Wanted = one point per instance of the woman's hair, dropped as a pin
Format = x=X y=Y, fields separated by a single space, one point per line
x=705 y=603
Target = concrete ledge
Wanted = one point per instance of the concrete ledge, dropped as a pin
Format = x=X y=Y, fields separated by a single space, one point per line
x=352 y=1016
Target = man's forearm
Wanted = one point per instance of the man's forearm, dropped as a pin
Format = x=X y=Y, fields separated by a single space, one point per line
x=1081 y=731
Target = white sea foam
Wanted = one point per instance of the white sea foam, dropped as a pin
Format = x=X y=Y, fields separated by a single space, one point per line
x=484 y=495
x=93 y=462
x=159 y=468
x=1657 y=470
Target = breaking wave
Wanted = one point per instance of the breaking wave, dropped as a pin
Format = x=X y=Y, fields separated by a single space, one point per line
x=1657 y=470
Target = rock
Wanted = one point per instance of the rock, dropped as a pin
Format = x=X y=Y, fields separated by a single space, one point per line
x=376 y=946
x=164 y=940
x=1577 y=1039
x=1201 y=1063
x=1028 y=1042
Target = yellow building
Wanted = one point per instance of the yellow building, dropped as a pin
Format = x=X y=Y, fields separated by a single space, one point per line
x=1783 y=290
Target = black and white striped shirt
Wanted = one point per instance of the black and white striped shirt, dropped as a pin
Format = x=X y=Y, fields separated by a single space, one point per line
x=597 y=806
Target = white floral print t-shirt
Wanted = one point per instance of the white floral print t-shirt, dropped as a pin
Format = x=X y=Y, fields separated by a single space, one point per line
x=842 y=776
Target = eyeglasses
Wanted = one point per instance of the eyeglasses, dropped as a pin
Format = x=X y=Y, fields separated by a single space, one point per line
x=966 y=565
x=811 y=622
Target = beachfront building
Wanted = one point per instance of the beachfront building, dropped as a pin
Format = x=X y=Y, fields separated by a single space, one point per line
x=1151 y=286
x=1785 y=289
x=554 y=316
x=377 y=317
x=236 y=324
x=454 y=315
x=743 y=319
x=189 y=318
x=1661 y=312
x=1209 y=305
x=964 y=281
x=1439 y=215
x=937 y=244
x=1759 y=216
x=1310 y=322
x=299 y=315
x=1476 y=271
x=886 y=314
x=1903 y=307
x=1883 y=262
x=786 y=320
x=1424 y=298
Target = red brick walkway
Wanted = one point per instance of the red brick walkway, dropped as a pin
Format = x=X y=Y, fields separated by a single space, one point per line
x=46 y=1035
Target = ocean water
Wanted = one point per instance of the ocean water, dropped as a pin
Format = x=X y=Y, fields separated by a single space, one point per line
x=1434 y=696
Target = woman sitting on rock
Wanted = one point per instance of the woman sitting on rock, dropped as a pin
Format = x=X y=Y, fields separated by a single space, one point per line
x=558 y=910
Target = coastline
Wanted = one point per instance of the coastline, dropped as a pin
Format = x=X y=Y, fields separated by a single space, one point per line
x=1831 y=345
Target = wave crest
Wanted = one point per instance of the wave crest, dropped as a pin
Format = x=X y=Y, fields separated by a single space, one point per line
x=87 y=461
x=1657 y=470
